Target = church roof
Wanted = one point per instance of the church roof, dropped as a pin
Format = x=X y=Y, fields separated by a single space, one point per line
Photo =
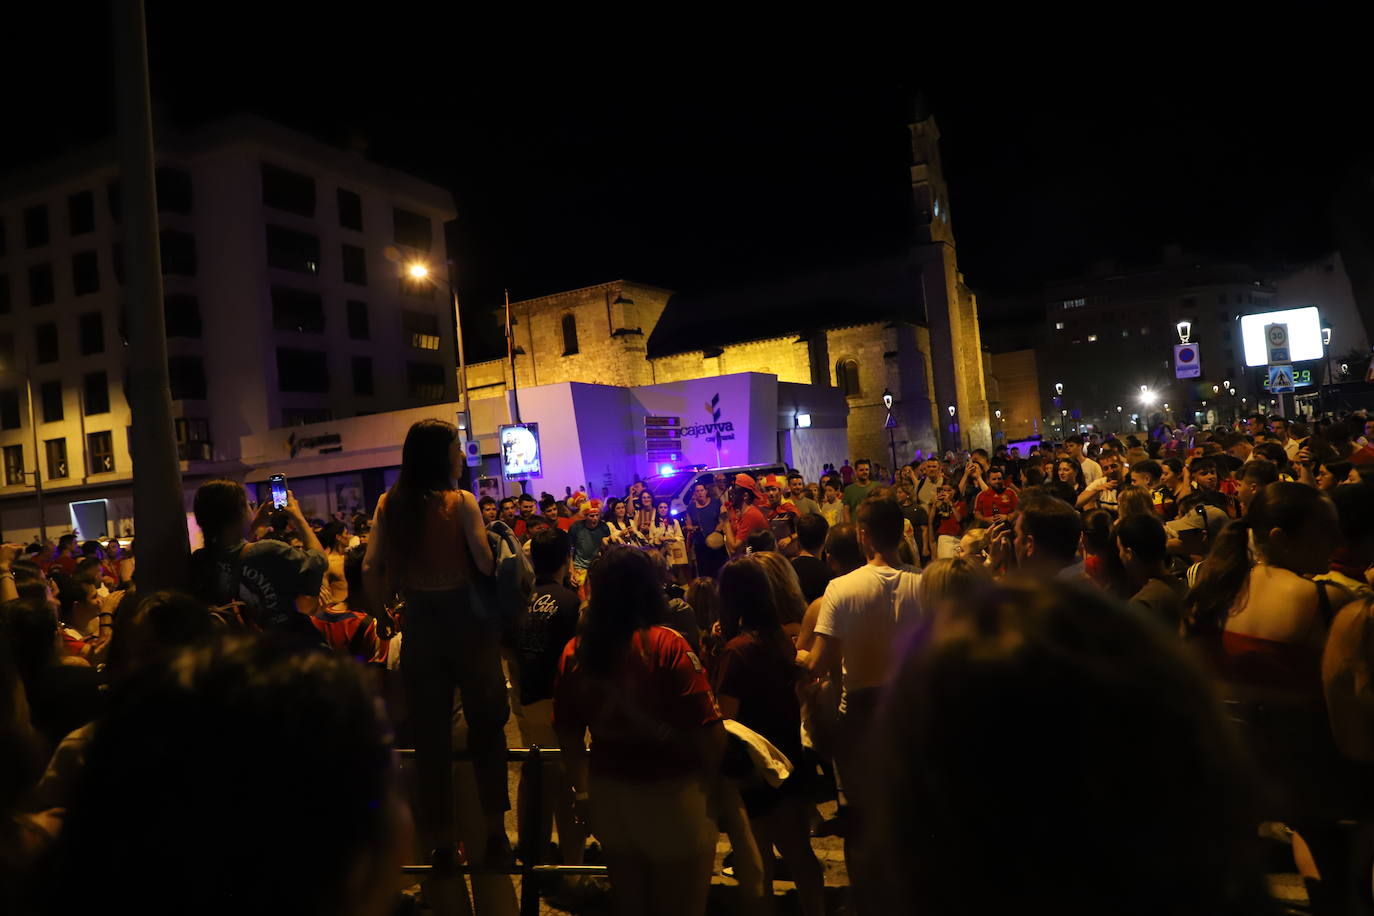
x=874 y=291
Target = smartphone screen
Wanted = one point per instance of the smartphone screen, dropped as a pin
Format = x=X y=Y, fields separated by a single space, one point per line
x=277 y=483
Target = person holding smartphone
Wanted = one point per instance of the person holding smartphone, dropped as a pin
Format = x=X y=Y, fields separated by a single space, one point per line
x=269 y=584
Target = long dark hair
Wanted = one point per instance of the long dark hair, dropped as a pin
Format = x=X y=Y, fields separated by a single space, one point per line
x=1227 y=569
x=626 y=595
x=425 y=473
x=749 y=601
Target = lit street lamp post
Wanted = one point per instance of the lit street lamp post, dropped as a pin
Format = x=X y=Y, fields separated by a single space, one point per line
x=421 y=272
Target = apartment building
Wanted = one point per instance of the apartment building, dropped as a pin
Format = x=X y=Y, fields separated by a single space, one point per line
x=287 y=301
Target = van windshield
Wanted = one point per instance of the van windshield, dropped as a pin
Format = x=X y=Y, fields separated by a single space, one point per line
x=668 y=486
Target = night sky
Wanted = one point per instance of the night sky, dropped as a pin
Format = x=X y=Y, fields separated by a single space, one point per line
x=602 y=157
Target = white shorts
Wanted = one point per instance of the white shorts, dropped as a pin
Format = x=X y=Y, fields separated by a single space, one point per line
x=664 y=821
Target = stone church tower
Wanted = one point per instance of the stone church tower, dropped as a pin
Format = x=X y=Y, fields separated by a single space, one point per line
x=956 y=350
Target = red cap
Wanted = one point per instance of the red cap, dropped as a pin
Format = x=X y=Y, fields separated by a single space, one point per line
x=746 y=482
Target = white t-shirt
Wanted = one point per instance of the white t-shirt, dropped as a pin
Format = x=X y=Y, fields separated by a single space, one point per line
x=866 y=609
x=1091 y=470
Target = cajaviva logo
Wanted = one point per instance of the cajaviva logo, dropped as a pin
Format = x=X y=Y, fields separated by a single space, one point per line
x=715 y=431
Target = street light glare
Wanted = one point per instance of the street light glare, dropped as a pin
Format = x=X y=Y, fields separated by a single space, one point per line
x=419 y=271
x=1147 y=397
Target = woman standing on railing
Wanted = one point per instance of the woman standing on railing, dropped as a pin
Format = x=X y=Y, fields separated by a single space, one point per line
x=657 y=740
x=428 y=543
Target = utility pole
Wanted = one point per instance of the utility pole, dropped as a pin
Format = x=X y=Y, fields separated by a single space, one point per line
x=159 y=506
x=37 y=459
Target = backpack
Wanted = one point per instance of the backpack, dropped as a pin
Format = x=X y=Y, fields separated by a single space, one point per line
x=514 y=578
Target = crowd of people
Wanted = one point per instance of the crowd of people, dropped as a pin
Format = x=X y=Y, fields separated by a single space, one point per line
x=1112 y=674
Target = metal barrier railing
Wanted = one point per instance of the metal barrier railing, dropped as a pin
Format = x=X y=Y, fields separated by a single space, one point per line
x=530 y=845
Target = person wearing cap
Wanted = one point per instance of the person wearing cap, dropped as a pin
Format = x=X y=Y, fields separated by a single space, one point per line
x=588 y=537
x=744 y=516
x=772 y=491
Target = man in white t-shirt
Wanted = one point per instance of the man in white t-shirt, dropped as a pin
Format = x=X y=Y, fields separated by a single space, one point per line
x=1091 y=469
x=861 y=617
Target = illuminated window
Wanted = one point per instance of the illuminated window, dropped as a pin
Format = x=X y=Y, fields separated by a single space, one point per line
x=1092 y=338
x=421 y=329
x=1059 y=325
x=1144 y=332
x=1125 y=332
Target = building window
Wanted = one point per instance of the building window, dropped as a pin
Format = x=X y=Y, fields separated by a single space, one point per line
x=193 y=439
x=1221 y=298
x=1189 y=303
x=100 y=446
x=304 y=416
x=117 y=262
x=1144 y=332
x=302 y=370
x=1092 y=338
x=1240 y=298
x=1223 y=316
x=14 y=466
x=114 y=197
x=1125 y=332
x=173 y=190
x=350 y=210
x=4 y=294
x=81 y=213
x=569 y=334
x=45 y=341
x=283 y=189
x=418 y=287
x=425 y=380
x=57 y=459
x=50 y=395
x=181 y=315
x=6 y=349
x=362 y=375
x=187 y=377
x=85 y=273
x=1226 y=336
x=91 y=328
x=36 y=226
x=354 y=265
x=357 y=320
x=297 y=310
x=1059 y=325
x=421 y=329
x=41 y=291
x=178 y=253
x=847 y=377
x=95 y=394
x=294 y=251
x=411 y=229
x=9 y=408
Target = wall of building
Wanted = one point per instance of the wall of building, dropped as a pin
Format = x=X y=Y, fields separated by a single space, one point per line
x=233 y=285
x=1018 y=389
x=1325 y=284
x=613 y=322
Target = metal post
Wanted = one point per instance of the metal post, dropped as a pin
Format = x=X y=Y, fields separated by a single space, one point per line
x=37 y=459
x=892 y=444
x=531 y=841
x=159 y=505
x=510 y=350
x=462 y=362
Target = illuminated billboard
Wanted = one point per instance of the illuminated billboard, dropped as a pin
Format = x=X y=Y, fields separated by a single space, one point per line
x=1304 y=335
x=520 y=452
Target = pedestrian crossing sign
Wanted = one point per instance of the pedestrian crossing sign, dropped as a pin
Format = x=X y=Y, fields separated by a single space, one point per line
x=1280 y=379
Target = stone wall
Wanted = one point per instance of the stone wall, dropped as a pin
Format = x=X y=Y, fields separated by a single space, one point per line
x=785 y=357
x=1018 y=391
x=613 y=322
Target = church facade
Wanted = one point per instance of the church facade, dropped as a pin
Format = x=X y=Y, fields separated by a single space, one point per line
x=905 y=326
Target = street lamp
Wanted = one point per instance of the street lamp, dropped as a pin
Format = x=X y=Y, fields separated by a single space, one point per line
x=891 y=425
x=1185 y=329
x=1059 y=388
x=419 y=270
x=887 y=399
x=37 y=460
x=951 y=411
x=1147 y=397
